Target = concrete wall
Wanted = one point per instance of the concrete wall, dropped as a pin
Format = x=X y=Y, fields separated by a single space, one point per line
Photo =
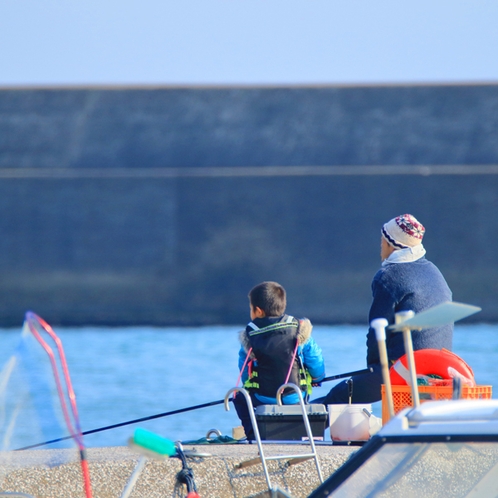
x=165 y=206
x=215 y=476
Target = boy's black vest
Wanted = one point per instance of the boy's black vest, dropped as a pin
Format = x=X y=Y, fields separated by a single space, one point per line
x=273 y=346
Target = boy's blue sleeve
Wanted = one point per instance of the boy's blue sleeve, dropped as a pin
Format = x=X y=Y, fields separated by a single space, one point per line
x=313 y=359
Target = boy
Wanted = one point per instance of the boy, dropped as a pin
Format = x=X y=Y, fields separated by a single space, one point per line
x=276 y=348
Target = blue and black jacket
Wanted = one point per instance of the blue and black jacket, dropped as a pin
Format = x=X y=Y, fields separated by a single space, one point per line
x=273 y=341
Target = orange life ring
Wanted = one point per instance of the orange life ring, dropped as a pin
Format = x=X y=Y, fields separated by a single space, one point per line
x=431 y=362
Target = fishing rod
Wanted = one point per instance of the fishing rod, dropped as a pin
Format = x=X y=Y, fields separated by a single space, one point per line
x=129 y=422
x=39 y=328
x=175 y=412
x=348 y=374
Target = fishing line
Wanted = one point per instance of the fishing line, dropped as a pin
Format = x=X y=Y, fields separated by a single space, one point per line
x=180 y=410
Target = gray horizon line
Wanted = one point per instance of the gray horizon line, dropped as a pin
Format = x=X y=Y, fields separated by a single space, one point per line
x=245 y=171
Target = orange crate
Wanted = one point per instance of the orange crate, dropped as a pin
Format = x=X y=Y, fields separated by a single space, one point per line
x=402 y=397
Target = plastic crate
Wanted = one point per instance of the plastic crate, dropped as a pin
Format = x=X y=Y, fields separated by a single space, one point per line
x=402 y=397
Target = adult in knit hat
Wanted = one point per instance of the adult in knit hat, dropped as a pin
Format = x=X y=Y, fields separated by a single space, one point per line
x=405 y=281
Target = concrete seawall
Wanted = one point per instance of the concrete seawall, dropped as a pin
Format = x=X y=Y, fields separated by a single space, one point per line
x=214 y=476
x=164 y=206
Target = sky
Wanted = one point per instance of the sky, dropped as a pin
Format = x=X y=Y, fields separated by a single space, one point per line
x=247 y=42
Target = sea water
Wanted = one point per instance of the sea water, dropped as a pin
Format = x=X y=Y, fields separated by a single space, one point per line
x=124 y=374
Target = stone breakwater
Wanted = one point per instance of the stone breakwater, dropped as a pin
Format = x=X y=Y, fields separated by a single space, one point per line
x=214 y=476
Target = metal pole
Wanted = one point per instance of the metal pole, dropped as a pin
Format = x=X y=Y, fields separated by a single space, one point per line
x=305 y=419
x=379 y=325
x=134 y=477
x=254 y=426
x=401 y=317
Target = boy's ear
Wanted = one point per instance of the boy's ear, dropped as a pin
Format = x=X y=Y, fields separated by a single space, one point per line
x=258 y=312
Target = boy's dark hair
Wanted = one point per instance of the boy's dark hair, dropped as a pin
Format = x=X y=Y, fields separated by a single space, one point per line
x=270 y=297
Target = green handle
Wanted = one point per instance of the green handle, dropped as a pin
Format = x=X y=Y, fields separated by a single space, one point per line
x=153 y=442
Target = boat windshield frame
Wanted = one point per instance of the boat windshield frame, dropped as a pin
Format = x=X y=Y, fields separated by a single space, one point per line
x=377 y=442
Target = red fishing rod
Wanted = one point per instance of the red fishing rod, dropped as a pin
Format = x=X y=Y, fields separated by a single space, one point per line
x=37 y=325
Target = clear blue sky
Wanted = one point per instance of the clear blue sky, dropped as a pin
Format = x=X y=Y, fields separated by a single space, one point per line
x=247 y=41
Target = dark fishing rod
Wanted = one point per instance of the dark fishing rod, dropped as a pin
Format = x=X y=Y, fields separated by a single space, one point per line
x=175 y=412
x=349 y=374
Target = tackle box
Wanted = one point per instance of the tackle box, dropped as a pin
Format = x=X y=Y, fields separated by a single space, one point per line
x=286 y=422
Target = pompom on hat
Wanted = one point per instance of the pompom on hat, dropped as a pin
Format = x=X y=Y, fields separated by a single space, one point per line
x=403 y=231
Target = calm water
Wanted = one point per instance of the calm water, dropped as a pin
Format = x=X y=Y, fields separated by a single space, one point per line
x=124 y=374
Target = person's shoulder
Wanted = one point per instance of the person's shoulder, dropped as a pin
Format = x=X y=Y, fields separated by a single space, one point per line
x=304 y=322
x=390 y=274
x=399 y=268
x=383 y=272
x=304 y=330
x=287 y=317
x=425 y=261
x=245 y=345
x=423 y=264
x=432 y=271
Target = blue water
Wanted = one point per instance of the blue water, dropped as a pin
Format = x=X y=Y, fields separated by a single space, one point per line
x=129 y=373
